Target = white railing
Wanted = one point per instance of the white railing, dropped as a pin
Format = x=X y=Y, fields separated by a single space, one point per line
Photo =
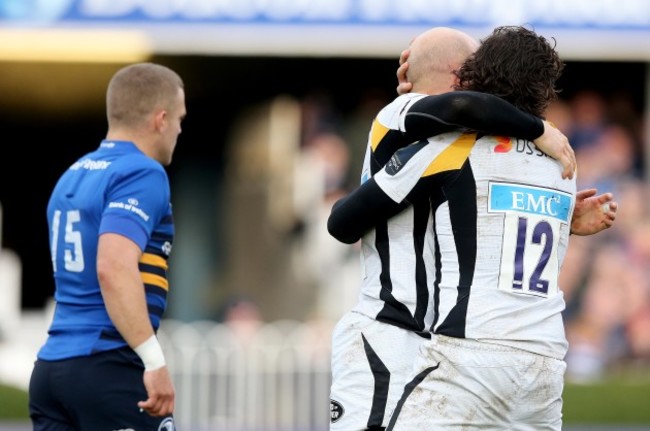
x=10 y=285
x=249 y=377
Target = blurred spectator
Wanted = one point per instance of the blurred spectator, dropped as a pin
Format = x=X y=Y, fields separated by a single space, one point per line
x=638 y=333
x=589 y=116
x=600 y=314
x=242 y=315
x=609 y=159
x=334 y=267
x=560 y=115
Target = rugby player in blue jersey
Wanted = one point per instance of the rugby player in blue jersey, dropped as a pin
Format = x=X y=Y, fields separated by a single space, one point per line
x=111 y=231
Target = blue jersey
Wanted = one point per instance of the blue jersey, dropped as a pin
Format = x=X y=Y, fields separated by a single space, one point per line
x=115 y=189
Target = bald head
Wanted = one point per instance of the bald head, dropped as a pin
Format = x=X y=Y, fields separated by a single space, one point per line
x=435 y=54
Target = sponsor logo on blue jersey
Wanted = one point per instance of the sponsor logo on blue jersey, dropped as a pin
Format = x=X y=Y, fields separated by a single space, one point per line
x=90 y=165
x=167 y=248
x=506 y=197
x=130 y=206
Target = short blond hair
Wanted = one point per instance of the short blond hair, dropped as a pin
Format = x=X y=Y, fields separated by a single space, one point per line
x=137 y=90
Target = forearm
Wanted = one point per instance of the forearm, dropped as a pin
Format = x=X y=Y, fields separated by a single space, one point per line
x=360 y=211
x=126 y=305
x=122 y=288
x=471 y=110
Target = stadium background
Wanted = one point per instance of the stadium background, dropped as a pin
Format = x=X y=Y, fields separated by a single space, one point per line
x=280 y=96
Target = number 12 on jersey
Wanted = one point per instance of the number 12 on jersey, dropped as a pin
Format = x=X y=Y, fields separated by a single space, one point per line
x=533 y=217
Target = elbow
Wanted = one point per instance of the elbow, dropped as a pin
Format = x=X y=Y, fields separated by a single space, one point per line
x=339 y=232
x=350 y=239
x=105 y=272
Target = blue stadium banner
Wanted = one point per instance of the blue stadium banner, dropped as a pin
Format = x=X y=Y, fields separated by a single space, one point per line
x=587 y=14
x=584 y=29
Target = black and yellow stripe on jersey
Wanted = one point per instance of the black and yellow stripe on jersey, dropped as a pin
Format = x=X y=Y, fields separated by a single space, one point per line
x=153 y=270
x=384 y=142
x=454 y=156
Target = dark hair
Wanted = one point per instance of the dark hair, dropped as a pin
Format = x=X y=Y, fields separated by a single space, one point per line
x=515 y=64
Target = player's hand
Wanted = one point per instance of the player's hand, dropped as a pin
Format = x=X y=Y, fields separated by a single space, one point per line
x=555 y=144
x=592 y=213
x=403 y=85
x=160 y=392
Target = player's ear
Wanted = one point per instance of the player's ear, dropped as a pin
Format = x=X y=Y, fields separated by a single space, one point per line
x=160 y=120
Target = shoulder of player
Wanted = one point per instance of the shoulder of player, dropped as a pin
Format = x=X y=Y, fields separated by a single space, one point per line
x=138 y=166
x=398 y=106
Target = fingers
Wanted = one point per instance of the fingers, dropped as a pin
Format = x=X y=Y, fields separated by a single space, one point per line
x=160 y=393
x=567 y=173
x=401 y=73
x=586 y=193
x=610 y=209
x=569 y=163
x=157 y=406
x=403 y=85
x=610 y=217
x=605 y=198
x=555 y=143
x=404 y=55
x=611 y=214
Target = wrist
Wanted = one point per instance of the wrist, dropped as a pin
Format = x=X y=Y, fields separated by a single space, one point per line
x=151 y=354
x=539 y=129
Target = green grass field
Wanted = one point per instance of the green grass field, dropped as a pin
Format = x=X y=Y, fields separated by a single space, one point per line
x=13 y=404
x=621 y=402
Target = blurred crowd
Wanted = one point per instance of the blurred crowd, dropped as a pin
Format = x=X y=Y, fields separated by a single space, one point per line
x=605 y=277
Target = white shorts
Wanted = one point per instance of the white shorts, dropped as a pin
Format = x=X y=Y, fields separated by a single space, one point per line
x=461 y=384
x=371 y=362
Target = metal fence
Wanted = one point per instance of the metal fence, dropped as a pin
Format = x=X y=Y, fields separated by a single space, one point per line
x=249 y=377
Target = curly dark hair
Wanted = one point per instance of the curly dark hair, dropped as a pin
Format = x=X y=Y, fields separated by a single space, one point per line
x=516 y=64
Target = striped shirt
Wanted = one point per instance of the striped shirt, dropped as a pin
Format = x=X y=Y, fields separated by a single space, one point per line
x=421 y=216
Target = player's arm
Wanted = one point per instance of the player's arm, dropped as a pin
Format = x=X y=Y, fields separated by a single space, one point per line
x=592 y=213
x=385 y=194
x=474 y=110
x=353 y=215
x=124 y=296
x=489 y=114
x=121 y=286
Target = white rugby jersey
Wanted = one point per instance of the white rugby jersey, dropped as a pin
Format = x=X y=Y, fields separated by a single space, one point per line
x=496 y=240
x=397 y=256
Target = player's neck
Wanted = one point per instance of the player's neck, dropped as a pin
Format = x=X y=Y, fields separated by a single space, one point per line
x=139 y=139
